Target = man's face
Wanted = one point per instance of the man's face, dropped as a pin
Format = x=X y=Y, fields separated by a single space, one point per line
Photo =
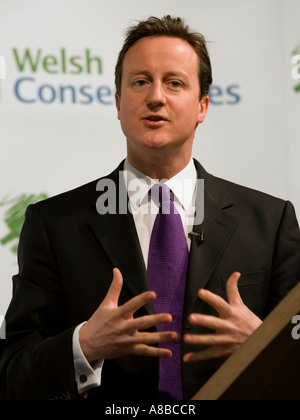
x=159 y=107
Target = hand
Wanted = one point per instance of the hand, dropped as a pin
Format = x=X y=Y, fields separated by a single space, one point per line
x=235 y=325
x=112 y=332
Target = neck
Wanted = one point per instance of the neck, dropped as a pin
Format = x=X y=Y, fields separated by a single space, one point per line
x=159 y=167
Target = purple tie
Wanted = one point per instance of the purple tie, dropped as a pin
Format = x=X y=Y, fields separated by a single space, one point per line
x=167 y=269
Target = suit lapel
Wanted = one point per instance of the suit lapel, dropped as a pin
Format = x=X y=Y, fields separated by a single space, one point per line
x=116 y=234
x=218 y=227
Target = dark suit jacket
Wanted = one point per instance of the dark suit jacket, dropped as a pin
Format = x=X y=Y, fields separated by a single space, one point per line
x=66 y=255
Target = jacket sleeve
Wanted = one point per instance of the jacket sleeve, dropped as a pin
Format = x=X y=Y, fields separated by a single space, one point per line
x=36 y=360
x=286 y=260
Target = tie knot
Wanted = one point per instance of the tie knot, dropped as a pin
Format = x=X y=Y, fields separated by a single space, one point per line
x=161 y=195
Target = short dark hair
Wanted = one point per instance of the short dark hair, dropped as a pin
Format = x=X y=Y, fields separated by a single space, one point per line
x=173 y=27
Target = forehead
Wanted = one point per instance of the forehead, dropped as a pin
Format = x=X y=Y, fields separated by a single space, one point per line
x=161 y=54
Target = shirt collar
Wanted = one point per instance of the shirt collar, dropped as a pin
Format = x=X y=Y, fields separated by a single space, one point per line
x=138 y=185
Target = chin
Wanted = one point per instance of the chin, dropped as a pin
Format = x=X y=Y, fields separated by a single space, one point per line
x=156 y=142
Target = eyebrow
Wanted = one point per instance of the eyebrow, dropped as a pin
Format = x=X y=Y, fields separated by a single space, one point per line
x=168 y=74
x=176 y=74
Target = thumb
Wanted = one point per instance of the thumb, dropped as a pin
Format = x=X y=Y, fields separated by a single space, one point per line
x=114 y=291
x=233 y=295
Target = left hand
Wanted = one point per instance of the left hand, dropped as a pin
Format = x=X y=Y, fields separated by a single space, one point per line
x=235 y=325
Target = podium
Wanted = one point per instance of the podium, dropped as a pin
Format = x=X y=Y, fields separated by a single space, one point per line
x=267 y=365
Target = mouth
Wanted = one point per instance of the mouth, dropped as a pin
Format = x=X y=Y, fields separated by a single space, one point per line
x=154 y=121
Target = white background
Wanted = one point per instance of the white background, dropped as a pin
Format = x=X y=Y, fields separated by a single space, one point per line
x=55 y=147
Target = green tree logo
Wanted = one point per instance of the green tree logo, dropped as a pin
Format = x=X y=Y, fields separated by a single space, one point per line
x=14 y=217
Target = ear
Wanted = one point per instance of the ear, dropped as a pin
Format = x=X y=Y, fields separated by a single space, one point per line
x=118 y=104
x=203 y=107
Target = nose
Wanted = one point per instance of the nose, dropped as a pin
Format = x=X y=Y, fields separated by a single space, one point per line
x=156 y=97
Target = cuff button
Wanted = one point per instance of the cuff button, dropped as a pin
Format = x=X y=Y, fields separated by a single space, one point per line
x=83 y=379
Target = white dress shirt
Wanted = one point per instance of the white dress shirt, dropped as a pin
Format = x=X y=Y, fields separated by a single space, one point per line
x=144 y=211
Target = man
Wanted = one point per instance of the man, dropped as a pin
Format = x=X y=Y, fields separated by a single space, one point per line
x=101 y=307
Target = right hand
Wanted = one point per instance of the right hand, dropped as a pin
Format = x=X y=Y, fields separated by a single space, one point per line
x=113 y=332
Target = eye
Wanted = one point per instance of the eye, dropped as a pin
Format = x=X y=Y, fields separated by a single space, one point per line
x=139 y=83
x=175 y=84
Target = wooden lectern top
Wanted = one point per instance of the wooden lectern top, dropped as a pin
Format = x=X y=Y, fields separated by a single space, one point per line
x=267 y=366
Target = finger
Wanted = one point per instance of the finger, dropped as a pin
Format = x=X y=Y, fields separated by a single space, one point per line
x=148 y=321
x=148 y=351
x=233 y=295
x=114 y=291
x=207 y=354
x=207 y=321
x=219 y=304
x=206 y=339
x=133 y=305
x=156 y=338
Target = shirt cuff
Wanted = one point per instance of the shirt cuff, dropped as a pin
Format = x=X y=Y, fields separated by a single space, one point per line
x=86 y=376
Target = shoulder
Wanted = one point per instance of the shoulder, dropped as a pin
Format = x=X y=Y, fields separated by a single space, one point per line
x=67 y=202
x=76 y=200
x=240 y=193
x=247 y=202
x=224 y=191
